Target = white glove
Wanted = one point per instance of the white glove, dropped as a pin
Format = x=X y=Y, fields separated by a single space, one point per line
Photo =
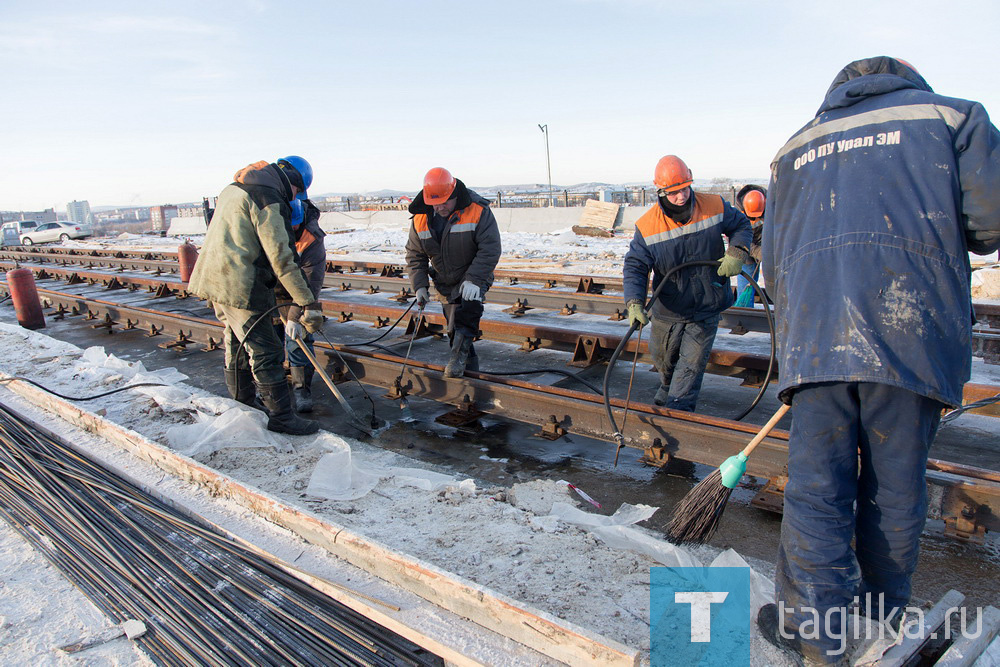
x=470 y=292
x=294 y=330
x=423 y=296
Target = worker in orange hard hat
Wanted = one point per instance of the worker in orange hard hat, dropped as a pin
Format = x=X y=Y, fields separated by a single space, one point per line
x=751 y=199
x=683 y=226
x=454 y=241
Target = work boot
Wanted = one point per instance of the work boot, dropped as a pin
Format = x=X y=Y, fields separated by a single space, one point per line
x=803 y=653
x=662 y=396
x=242 y=388
x=302 y=387
x=282 y=418
x=460 y=346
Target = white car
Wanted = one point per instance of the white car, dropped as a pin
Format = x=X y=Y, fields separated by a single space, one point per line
x=54 y=231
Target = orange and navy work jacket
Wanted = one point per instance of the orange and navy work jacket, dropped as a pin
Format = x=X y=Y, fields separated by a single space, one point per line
x=468 y=249
x=660 y=243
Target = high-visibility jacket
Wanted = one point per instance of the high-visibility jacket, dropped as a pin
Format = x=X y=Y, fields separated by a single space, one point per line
x=695 y=293
x=469 y=246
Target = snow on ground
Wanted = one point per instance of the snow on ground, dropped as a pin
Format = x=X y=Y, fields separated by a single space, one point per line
x=527 y=552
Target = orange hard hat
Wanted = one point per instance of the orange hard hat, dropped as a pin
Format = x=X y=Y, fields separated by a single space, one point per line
x=438 y=186
x=671 y=174
x=753 y=204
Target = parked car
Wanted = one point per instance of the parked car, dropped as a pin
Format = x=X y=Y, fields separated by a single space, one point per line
x=54 y=231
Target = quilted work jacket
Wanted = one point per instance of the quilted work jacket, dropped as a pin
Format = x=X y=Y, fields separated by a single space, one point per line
x=872 y=209
x=469 y=247
x=249 y=247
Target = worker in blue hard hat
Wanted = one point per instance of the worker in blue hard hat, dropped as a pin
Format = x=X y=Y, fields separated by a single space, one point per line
x=311 y=250
x=248 y=251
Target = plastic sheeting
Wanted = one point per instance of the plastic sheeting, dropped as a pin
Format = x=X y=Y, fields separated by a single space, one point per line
x=94 y=358
x=617 y=532
x=337 y=476
x=236 y=427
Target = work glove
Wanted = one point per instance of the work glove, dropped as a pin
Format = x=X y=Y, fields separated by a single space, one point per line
x=470 y=292
x=294 y=330
x=732 y=262
x=636 y=313
x=423 y=296
x=312 y=318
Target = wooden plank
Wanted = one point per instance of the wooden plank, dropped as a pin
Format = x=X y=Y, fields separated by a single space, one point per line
x=966 y=649
x=495 y=611
x=913 y=640
x=599 y=214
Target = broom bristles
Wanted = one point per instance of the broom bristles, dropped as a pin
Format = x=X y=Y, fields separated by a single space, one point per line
x=697 y=515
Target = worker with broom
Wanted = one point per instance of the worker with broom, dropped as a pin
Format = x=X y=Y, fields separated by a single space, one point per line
x=683 y=226
x=454 y=241
x=872 y=209
x=248 y=250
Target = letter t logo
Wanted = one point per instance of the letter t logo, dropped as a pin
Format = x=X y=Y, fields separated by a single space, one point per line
x=701 y=611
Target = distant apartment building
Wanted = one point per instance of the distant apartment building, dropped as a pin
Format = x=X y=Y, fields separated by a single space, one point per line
x=48 y=215
x=160 y=216
x=79 y=211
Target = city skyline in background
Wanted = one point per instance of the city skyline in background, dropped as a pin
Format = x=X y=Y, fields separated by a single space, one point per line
x=127 y=105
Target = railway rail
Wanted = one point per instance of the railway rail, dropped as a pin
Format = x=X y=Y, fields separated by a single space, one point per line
x=965 y=497
x=586 y=348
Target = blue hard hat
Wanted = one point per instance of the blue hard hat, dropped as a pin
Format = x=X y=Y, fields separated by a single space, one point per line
x=302 y=168
x=297 y=212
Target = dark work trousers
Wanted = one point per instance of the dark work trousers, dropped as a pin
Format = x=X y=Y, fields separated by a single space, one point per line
x=680 y=354
x=828 y=501
x=463 y=317
x=263 y=353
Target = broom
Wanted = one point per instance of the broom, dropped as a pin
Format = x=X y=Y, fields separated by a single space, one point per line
x=697 y=515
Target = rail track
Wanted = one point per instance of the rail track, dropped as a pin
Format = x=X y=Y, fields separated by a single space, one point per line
x=966 y=497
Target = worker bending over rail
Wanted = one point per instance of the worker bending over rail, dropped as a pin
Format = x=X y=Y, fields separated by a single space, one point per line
x=752 y=201
x=683 y=226
x=454 y=241
x=872 y=210
x=248 y=250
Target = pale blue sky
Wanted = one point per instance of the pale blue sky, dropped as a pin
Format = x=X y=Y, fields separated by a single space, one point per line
x=161 y=102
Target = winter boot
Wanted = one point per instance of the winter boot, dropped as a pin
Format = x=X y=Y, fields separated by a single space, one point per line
x=460 y=346
x=662 y=396
x=302 y=387
x=242 y=388
x=472 y=363
x=278 y=399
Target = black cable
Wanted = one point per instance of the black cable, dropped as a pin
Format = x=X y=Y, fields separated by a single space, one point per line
x=82 y=398
x=559 y=371
x=957 y=412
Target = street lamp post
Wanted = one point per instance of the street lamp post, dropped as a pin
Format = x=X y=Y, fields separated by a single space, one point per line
x=548 y=163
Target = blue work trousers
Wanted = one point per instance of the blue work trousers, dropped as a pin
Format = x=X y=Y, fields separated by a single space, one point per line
x=295 y=355
x=680 y=354
x=857 y=457
x=753 y=270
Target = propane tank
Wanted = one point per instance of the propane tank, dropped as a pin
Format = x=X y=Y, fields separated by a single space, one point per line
x=187 y=256
x=25 y=297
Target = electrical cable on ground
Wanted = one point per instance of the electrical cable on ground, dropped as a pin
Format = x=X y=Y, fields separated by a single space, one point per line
x=81 y=398
x=616 y=432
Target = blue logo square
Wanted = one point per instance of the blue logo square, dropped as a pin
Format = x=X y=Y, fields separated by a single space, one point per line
x=699 y=615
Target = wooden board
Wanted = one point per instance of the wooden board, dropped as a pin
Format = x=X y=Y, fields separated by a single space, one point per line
x=599 y=214
x=534 y=628
x=593 y=231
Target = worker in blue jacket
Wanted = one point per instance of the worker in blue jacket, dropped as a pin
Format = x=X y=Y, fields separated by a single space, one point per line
x=872 y=210
x=683 y=226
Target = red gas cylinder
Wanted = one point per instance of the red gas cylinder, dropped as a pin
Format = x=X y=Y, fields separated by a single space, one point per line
x=187 y=256
x=25 y=297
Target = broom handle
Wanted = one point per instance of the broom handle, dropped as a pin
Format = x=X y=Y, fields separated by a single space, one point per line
x=771 y=423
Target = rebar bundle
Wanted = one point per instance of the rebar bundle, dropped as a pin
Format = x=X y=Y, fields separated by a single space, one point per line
x=204 y=598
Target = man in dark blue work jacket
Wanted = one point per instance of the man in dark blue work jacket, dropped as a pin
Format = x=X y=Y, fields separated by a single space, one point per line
x=872 y=210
